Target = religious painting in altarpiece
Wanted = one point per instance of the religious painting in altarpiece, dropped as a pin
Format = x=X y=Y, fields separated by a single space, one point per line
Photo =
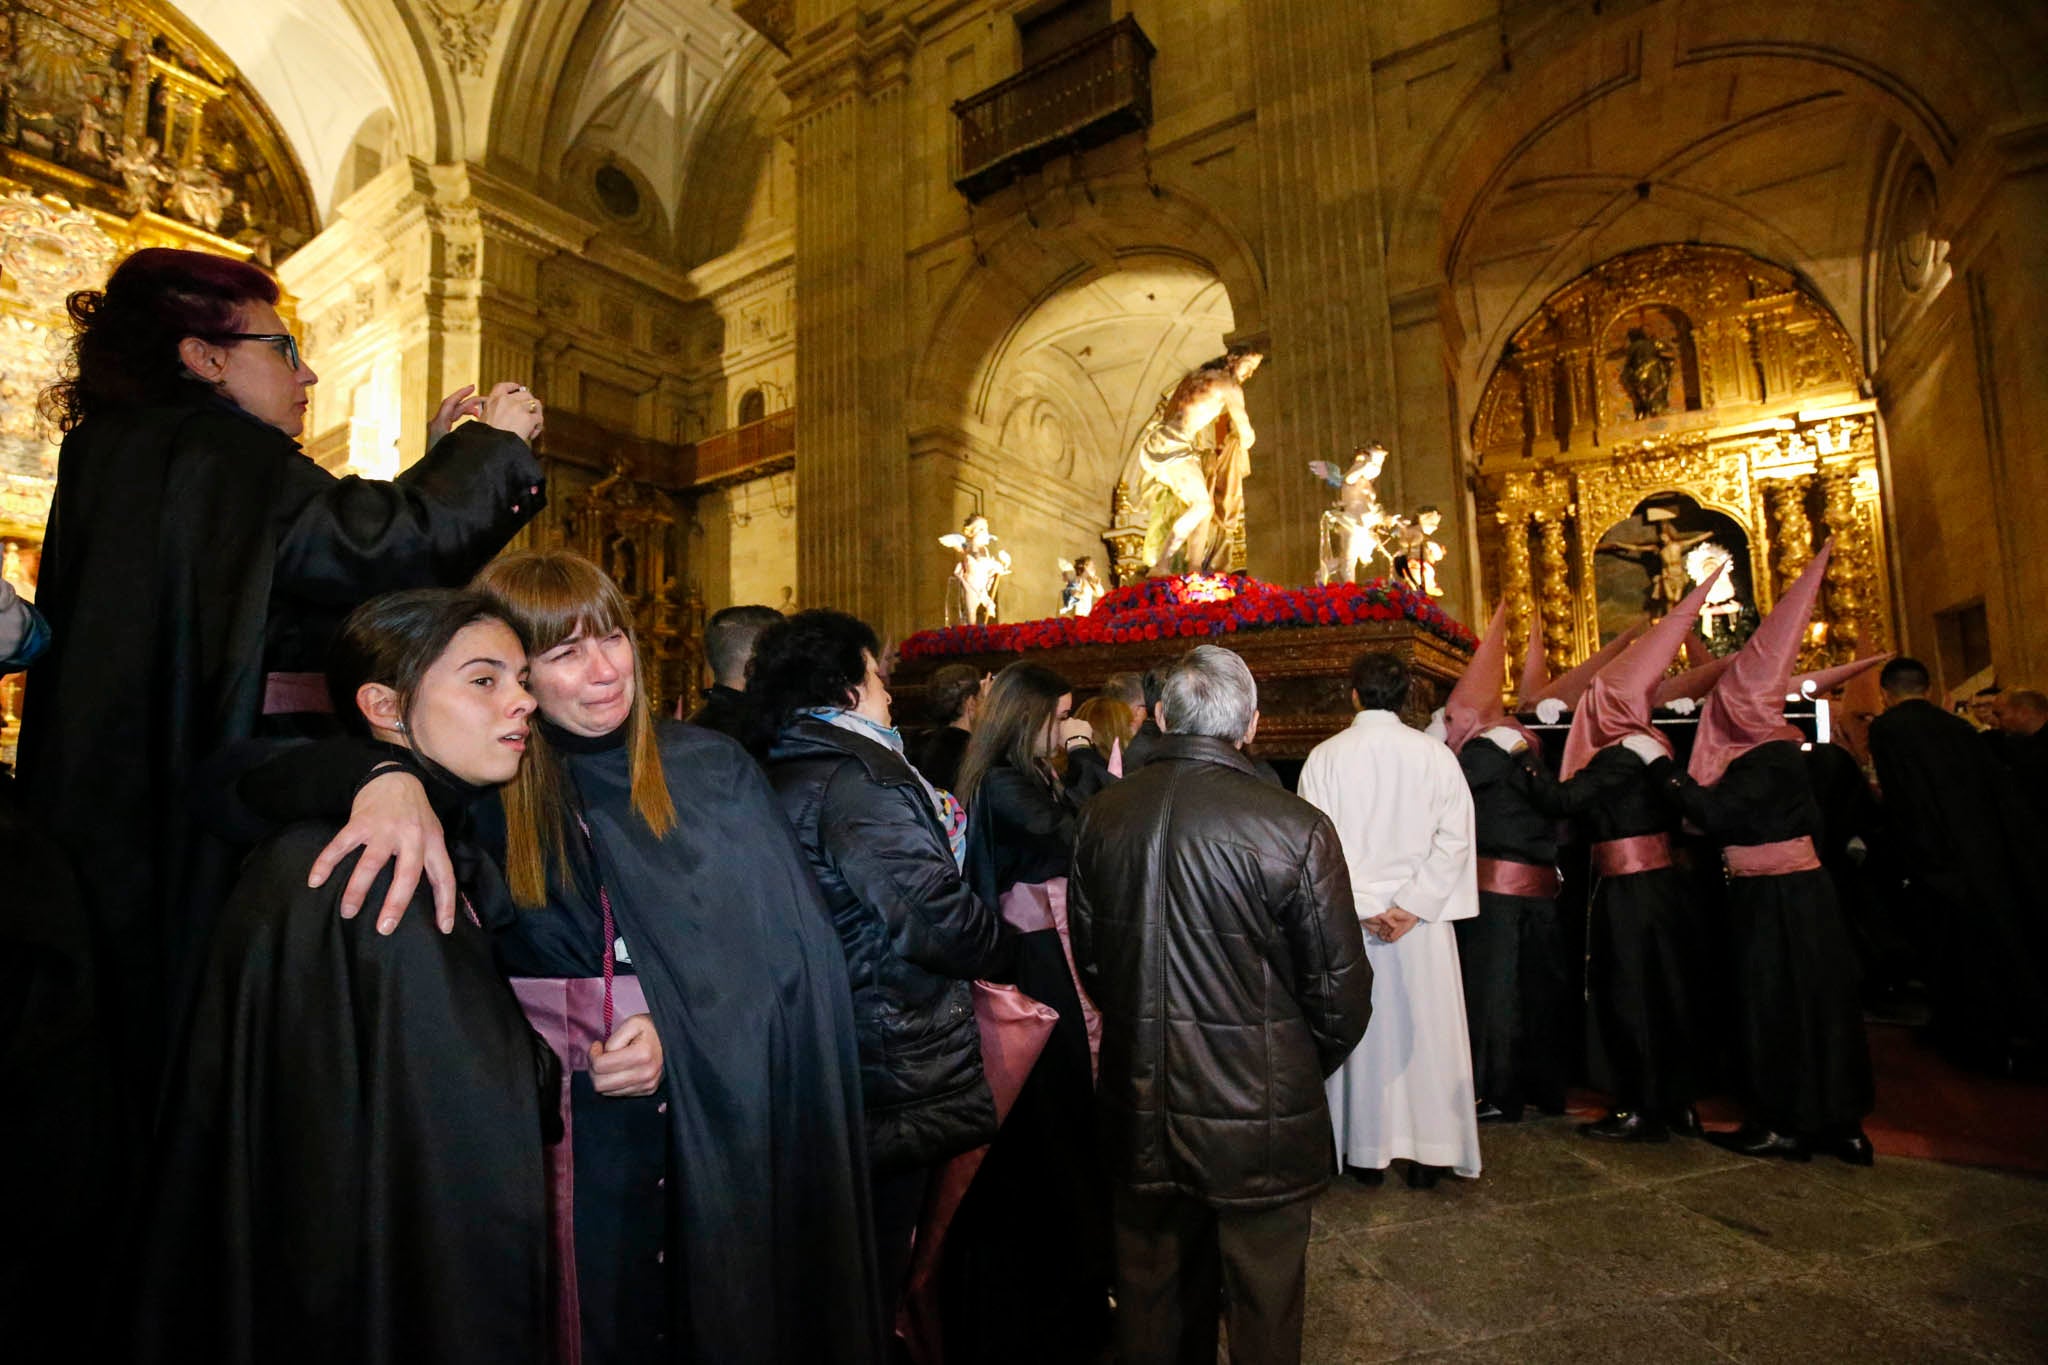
x=1672 y=407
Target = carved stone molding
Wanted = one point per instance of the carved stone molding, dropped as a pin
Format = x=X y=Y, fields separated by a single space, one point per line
x=462 y=32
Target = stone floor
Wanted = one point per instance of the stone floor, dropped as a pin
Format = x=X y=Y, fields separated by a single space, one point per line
x=1568 y=1251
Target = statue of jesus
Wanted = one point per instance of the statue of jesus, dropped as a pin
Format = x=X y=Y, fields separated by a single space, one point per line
x=1194 y=454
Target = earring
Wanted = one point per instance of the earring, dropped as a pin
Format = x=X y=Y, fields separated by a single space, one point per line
x=401 y=727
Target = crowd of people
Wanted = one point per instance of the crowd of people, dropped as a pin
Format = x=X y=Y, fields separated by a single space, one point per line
x=387 y=982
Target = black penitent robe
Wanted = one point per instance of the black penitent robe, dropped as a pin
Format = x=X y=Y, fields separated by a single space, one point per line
x=1512 y=954
x=350 y=1165
x=1647 y=945
x=773 y=1256
x=1028 y=1261
x=1801 y=1054
x=191 y=550
x=1973 y=851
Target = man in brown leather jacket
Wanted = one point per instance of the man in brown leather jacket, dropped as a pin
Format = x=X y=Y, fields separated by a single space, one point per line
x=1214 y=924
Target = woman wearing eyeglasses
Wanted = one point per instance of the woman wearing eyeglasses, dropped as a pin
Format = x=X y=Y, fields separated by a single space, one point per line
x=196 y=567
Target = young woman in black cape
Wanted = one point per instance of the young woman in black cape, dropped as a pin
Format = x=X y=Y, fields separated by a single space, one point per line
x=349 y=1167
x=1028 y=1258
x=710 y=1200
x=196 y=566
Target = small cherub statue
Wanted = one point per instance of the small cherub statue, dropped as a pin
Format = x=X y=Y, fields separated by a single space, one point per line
x=1080 y=587
x=1415 y=565
x=971 y=592
x=1354 y=529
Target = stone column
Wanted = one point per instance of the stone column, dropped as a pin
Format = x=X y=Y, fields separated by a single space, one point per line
x=1328 y=381
x=846 y=87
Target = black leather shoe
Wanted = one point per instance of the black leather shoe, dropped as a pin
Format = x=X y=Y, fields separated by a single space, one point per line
x=1625 y=1125
x=1754 y=1140
x=1854 y=1149
x=1685 y=1121
x=1493 y=1113
x=1370 y=1177
x=1421 y=1177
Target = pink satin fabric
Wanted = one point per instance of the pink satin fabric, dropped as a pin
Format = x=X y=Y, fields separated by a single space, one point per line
x=568 y=1012
x=1030 y=907
x=1637 y=853
x=1505 y=878
x=1771 y=860
x=1014 y=1029
x=291 y=694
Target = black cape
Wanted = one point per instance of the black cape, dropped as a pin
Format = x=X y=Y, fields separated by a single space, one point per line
x=1802 y=1061
x=1973 y=849
x=1646 y=945
x=191 y=550
x=749 y=991
x=1028 y=1261
x=350 y=1167
x=1512 y=954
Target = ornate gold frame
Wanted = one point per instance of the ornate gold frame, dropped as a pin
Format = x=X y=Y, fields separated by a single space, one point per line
x=1769 y=426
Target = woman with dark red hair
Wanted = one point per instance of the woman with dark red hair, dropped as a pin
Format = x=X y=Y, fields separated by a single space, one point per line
x=196 y=568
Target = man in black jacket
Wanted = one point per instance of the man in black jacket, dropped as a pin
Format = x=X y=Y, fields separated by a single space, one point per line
x=729 y=639
x=1214 y=925
x=1974 y=873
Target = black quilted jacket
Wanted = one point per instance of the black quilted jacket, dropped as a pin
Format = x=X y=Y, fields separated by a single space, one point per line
x=1214 y=925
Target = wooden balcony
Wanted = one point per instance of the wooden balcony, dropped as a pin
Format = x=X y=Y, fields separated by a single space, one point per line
x=746 y=452
x=1080 y=97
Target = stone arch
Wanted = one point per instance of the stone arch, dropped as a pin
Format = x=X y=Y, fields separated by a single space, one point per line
x=1554 y=157
x=740 y=169
x=1021 y=266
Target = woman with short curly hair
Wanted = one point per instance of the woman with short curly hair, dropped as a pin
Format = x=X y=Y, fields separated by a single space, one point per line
x=886 y=848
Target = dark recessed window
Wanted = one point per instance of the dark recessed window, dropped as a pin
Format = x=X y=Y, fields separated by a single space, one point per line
x=616 y=191
x=753 y=406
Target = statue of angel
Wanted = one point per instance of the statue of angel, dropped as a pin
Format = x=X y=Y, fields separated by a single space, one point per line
x=1354 y=529
x=1080 y=588
x=971 y=592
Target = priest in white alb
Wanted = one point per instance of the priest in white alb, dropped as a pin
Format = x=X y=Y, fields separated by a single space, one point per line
x=1404 y=814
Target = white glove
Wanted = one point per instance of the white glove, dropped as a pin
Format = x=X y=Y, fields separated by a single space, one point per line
x=1507 y=737
x=1436 y=729
x=1643 y=747
x=1682 y=706
x=1551 y=710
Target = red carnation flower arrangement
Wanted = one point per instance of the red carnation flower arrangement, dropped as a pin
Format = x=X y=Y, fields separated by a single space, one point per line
x=1194 y=606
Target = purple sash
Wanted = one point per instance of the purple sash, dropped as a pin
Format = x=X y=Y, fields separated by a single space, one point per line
x=569 y=1012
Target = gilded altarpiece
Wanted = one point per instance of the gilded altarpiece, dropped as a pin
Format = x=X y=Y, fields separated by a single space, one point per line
x=121 y=127
x=1680 y=372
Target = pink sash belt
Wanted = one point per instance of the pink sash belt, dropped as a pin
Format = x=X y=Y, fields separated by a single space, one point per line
x=291 y=694
x=1637 y=853
x=1504 y=877
x=568 y=1011
x=1032 y=906
x=1770 y=860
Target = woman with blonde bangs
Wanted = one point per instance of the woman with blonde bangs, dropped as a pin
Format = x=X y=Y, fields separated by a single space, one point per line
x=666 y=916
x=710 y=1196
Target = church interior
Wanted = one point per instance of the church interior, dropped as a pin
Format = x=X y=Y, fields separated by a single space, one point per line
x=808 y=284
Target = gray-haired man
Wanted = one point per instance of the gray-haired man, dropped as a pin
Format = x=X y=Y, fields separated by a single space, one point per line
x=1214 y=925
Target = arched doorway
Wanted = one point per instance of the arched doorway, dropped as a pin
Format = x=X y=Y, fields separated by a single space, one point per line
x=1678 y=391
x=1040 y=369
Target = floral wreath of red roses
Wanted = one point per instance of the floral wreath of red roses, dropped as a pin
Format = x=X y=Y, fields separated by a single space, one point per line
x=1194 y=606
